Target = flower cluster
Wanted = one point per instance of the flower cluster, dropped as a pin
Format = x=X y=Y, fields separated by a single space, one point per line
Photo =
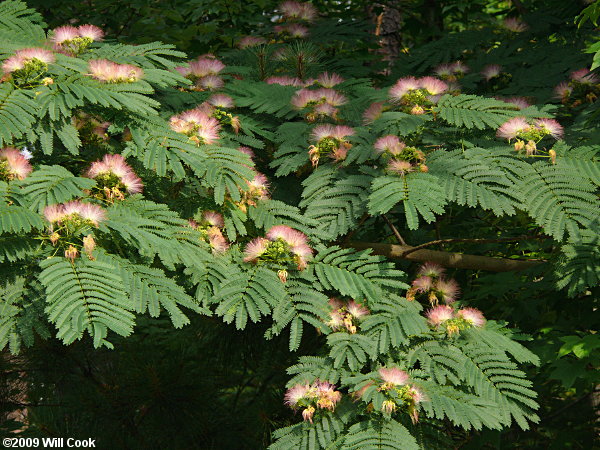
x=399 y=394
x=91 y=128
x=250 y=41
x=292 y=10
x=432 y=283
x=285 y=81
x=28 y=66
x=495 y=77
x=444 y=316
x=110 y=72
x=582 y=87
x=401 y=158
x=69 y=223
x=13 y=164
x=75 y=40
x=451 y=72
x=346 y=315
x=417 y=95
x=519 y=102
x=522 y=130
x=211 y=227
x=323 y=102
x=114 y=177
x=320 y=395
x=291 y=30
x=204 y=72
x=198 y=124
x=514 y=24
x=330 y=140
x=281 y=246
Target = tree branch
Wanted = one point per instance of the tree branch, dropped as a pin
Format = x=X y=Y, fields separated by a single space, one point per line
x=447 y=259
x=394 y=230
x=481 y=241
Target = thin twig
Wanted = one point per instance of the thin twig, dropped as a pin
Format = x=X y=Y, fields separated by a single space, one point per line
x=394 y=230
x=481 y=241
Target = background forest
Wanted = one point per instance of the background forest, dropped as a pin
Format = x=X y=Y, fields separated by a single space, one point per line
x=337 y=224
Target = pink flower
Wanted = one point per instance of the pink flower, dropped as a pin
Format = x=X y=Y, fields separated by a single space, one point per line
x=132 y=183
x=91 y=32
x=330 y=131
x=17 y=164
x=444 y=70
x=331 y=96
x=217 y=241
x=111 y=72
x=210 y=82
x=449 y=290
x=512 y=128
x=416 y=394
x=433 y=85
x=93 y=213
x=12 y=64
x=247 y=151
x=221 y=101
x=325 y=110
x=335 y=303
x=295 y=30
x=423 y=284
x=87 y=211
x=514 y=24
x=196 y=122
x=255 y=248
x=64 y=34
x=339 y=153
x=54 y=213
x=402 y=87
x=284 y=81
x=389 y=143
x=328 y=397
x=28 y=54
x=213 y=218
x=259 y=186
x=459 y=67
x=431 y=269
x=304 y=97
x=562 y=91
x=373 y=112
x=296 y=10
x=399 y=167
x=472 y=315
x=295 y=394
x=440 y=314
x=550 y=126
x=328 y=80
x=287 y=234
x=336 y=321
x=340 y=132
x=357 y=310
x=393 y=375
x=490 y=71
x=204 y=66
x=584 y=76
x=520 y=102
x=250 y=41
x=184 y=71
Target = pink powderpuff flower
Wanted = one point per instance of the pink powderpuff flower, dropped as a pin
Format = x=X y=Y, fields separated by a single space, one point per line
x=247 y=151
x=12 y=64
x=434 y=86
x=285 y=81
x=399 y=167
x=423 y=284
x=440 y=314
x=329 y=80
x=221 y=101
x=448 y=290
x=111 y=72
x=389 y=143
x=459 y=67
x=91 y=32
x=490 y=71
x=402 y=87
x=357 y=310
x=287 y=234
x=519 y=102
x=54 y=213
x=339 y=153
x=217 y=241
x=328 y=397
x=417 y=395
x=304 y=97
x=336 y=321
x=472 y=315
x=331 y=96
x=250 y=41
x=205 y=66
x=295 y=394
x=255 y=248
x=512 y=128
x=514 y=24
x=259 y=186
x=340 y=132
x=393 y=375
x=132 y=183
x=296 y=10
x=210 y=82
x=213 y=218
x=88 y=211
x=184 y=71
x=325 y=110
x=28 y=54
x=444 y=70
x=550 y=126
x=584 y=76
x=18 y=165
x=562 y=91
x=373 y=112
x=430 y=269
x=63 y=34
x=321 y=132
x=109 y=164
x=296 y=30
